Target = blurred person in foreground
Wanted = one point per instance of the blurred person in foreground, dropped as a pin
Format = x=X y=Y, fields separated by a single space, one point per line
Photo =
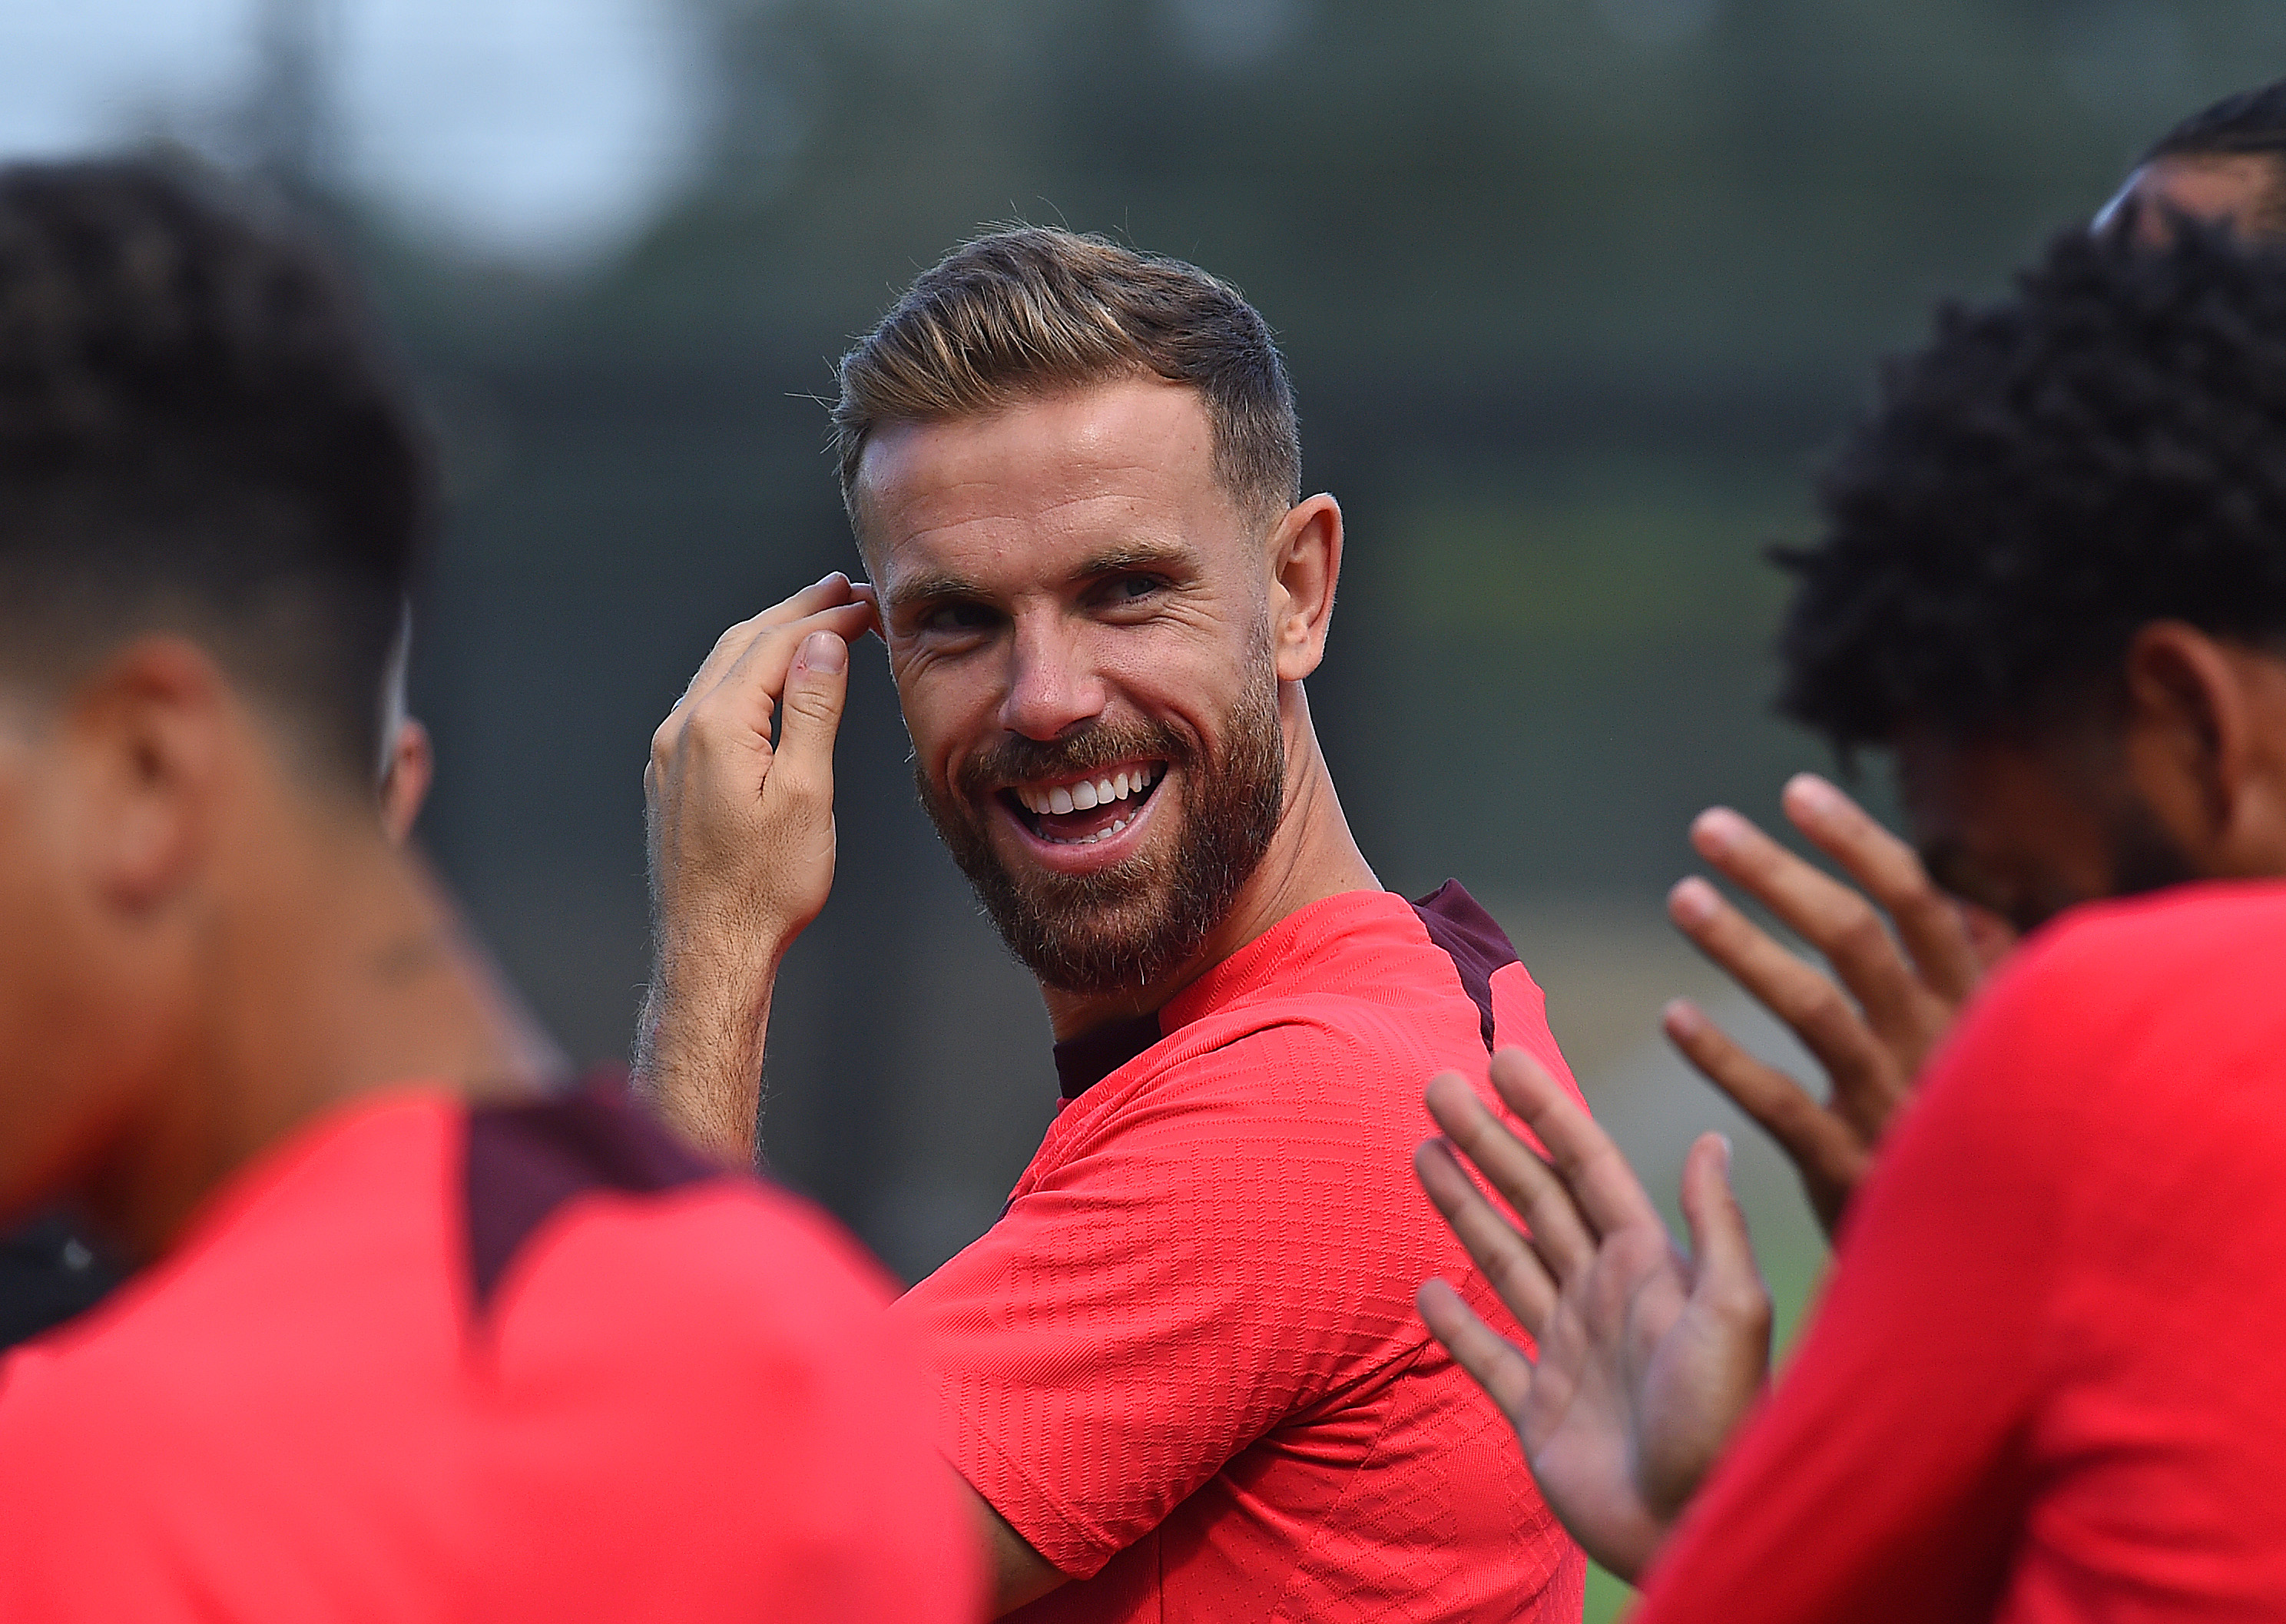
x=1872 y=1018
x=52 y=1269
x=1182 y=1375
x=2044 y=1382
x=407 y=1342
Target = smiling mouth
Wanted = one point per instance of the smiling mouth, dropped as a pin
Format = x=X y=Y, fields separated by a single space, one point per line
x=1084 y=810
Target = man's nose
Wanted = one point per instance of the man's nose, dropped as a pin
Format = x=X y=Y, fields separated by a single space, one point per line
x=1052 y=686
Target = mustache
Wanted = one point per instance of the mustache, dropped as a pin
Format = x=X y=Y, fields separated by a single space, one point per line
x=1014 y=759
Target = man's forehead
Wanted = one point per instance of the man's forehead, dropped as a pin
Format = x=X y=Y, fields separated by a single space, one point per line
x=1042 y=482
x=1065 y=441
x=2243 y=188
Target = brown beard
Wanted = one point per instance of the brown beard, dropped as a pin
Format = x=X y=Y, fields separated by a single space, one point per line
x=1124 y=926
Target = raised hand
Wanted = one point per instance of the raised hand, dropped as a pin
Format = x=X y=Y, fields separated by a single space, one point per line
x=1646 y=1358
x=1902 y=991
x=742 y=851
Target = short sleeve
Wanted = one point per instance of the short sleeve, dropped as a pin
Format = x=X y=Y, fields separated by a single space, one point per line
x=1175 y=1285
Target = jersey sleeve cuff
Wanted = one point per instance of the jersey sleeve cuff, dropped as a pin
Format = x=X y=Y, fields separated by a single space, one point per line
x=1065 y=1539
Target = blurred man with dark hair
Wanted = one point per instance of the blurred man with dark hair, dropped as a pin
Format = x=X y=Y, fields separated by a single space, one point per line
x=2045 y=1382
x=1874 y=1014
x=52 y=1269
x=1182 y=1374
x=408 y=1343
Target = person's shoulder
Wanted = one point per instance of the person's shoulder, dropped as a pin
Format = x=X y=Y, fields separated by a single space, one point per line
x=1358 y=986
x=588 y=1197
x=1283 y=1054
x=2140 y=958
x=2125 y=1008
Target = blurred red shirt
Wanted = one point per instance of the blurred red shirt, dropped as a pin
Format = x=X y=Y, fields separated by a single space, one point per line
x=2047 y=1380
x=522 y=1363
x=1186 y=1364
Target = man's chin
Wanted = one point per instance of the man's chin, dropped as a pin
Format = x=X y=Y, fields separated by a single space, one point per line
x=1091 y=943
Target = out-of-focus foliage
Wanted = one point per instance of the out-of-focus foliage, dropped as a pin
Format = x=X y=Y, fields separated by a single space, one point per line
x=1644 y=190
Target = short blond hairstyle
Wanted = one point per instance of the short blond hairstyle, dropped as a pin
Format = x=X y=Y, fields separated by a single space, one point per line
x=1027 y=311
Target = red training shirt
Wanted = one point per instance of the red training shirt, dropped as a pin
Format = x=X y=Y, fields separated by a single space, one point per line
x=517 y=1363
x=2049 y=1380
x=1185 y=1365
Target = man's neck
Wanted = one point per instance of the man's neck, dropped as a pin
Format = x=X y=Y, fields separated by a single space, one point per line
x=1312 y=858
x=333 y=975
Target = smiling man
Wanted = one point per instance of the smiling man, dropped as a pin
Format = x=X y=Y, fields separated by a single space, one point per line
x=1182 y=1374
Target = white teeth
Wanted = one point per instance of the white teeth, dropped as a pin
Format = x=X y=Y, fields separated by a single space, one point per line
x=1083 y=796
x=1101 y=834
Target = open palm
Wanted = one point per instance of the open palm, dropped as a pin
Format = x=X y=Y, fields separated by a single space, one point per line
x=1646 y=1357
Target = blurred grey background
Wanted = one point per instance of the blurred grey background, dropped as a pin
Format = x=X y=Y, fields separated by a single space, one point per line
x=1574 y=292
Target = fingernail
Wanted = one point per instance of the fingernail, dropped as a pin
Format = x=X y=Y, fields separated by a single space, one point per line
x=1810 y=796
x=1692 y=902
x=1682 y=1019
x=824 y=651
x=823 y=578
x=1723 y=1140
x=1716 y=830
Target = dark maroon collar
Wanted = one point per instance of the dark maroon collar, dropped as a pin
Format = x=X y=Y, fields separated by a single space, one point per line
x=1084 y=1062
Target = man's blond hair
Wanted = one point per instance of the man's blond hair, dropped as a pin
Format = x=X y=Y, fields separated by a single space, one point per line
x=1032 y=309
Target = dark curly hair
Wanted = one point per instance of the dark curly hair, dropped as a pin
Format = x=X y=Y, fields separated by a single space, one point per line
x=2105 y=449
x=198 y=433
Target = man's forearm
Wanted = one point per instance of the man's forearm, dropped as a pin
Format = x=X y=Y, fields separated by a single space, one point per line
x=699 y=1044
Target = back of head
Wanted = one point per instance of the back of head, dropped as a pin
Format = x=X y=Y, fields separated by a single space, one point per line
x=2104 y=449
x=198 y=434
x=1035 y=310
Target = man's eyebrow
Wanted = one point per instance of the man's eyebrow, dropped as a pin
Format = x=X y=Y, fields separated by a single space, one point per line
x=930 y=589
x=944 y=586
x=1137 y=556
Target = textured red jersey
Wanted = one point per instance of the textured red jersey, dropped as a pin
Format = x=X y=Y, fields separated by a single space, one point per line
x=530 y=1363
x=2049 y=1380
x=1185 y=1365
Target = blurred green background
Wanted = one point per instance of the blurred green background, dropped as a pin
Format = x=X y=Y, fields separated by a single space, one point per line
x=1574 y=292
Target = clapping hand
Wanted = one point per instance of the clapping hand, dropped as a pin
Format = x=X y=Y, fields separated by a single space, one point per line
x=1646 y=1358
x=1871 y=1029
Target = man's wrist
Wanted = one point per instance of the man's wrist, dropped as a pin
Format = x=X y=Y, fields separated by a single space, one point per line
x=700 y=1042
x=716 y=968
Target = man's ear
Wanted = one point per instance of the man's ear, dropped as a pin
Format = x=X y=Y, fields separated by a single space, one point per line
x=405 y=783
x=1306 y=564
x=2197 y=743
x=144 y=740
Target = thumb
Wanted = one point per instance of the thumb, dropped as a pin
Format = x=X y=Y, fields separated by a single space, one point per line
x=816 y=689
x=1719 y=1246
